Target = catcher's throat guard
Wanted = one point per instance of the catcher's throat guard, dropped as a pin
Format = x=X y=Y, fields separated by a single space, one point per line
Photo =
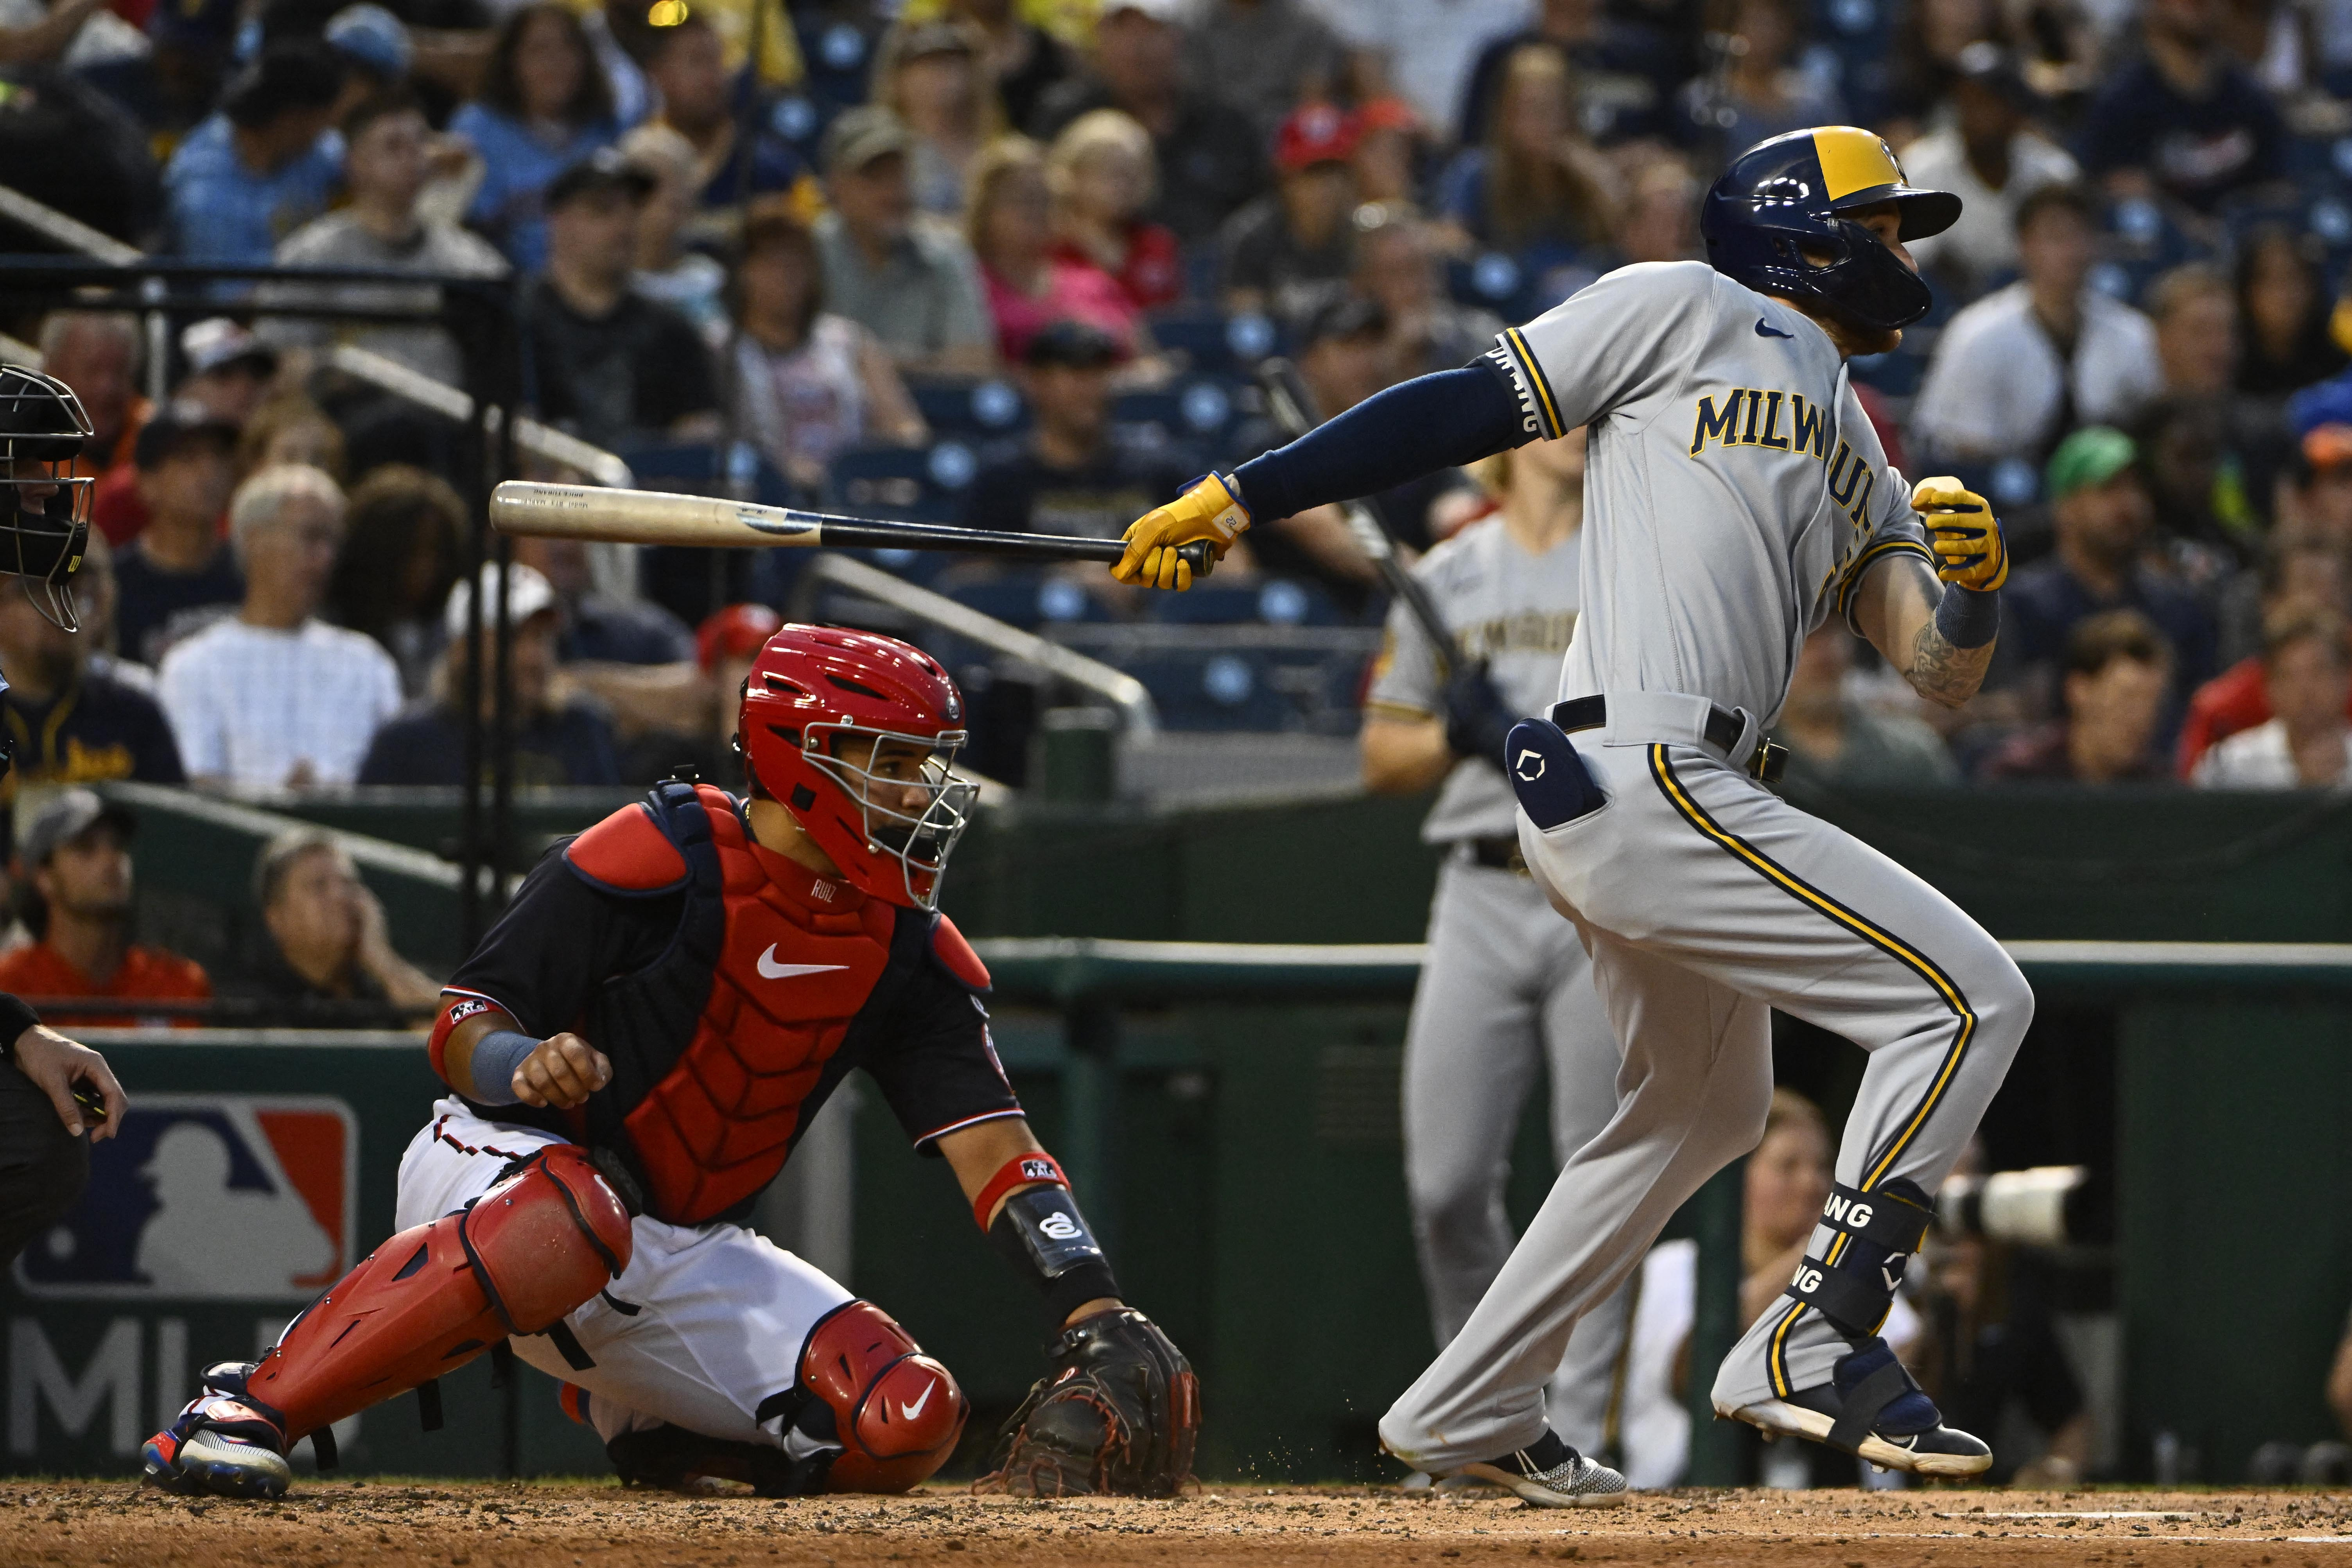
x=1791 y=194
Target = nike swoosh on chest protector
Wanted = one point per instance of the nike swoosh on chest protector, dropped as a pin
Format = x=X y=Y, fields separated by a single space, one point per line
x=771 y=970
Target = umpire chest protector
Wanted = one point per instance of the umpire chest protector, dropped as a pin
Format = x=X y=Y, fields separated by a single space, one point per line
x=727 y=1042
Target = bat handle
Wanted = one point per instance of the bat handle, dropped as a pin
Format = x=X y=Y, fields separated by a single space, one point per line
x=1200 y=556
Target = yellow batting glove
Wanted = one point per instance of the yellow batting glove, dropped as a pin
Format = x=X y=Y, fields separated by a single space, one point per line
x=1963 y=532
x=1208 y=510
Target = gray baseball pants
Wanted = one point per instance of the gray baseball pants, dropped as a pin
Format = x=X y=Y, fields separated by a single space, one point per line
x=1507 y=990
x=1705 y=902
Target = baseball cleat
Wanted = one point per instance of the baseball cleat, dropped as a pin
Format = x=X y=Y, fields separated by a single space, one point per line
x=221 y=1444
x=1871 y=1409
x=1549 y=1474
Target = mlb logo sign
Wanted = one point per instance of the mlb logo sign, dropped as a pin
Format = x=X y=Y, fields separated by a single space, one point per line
x=209 y=1197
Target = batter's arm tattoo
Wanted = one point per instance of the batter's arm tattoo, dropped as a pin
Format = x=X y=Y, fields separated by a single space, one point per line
x=1895 y=610
x=1942 y=673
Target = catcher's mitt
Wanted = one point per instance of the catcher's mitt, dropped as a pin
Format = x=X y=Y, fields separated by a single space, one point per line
x=1118 y=1413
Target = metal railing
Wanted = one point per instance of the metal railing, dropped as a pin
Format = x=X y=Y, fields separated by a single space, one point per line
x=1123 y=690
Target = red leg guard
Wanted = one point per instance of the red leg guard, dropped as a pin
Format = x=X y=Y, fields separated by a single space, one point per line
x=536 y=1245
x=895 y=1411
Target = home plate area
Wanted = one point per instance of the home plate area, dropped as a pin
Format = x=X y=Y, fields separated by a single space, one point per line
x=573 y=1525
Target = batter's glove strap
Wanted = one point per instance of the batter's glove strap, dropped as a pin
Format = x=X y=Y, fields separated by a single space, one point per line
x=1118 y=1413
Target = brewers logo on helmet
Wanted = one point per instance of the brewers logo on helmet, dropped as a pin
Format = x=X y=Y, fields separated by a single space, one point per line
x=1791 y=193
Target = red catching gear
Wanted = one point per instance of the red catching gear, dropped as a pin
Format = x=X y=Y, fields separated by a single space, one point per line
x=896 y=1412
x=1028 y=1170
x=541 y=1241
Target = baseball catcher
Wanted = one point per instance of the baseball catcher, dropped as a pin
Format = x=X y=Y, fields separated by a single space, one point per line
x=632 y=1053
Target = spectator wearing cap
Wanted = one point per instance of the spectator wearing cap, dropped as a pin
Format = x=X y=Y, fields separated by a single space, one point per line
x=726 y=643
x=1209 y=159
x=273 y=697
x=1101 y=172
x=262 y=167
x=597 y=627
x=930 y=75
x=1423 y=51
x=1993 y=158
x=810 y=384
x=385 y=163
x=688 y=69
x=2183 y=120
x=1023 y=59
x=66 y=721
x=1627 y=77
x=1011 y=229
x=560 y=736
x=2116 y=676
x=2014 y=372
x=2284 y=310
x=230 y=371
x=2103 y=516
x=1535 y=190
x=403 y=539
x=904 y=277
x=323 y=938
x=74 y=885
x=1289 y=246
x=1397 y=265
x=174 y=574
x=95 y=352
x=1071 y=473
x=615 y=367
x=2308 y=741
x=1258 y=58
x=376 y=48
x=544 y=108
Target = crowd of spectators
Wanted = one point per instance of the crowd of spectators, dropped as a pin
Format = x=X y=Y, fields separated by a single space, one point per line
x=781 y=233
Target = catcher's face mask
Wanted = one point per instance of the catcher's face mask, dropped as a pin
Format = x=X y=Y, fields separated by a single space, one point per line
x=44 y=496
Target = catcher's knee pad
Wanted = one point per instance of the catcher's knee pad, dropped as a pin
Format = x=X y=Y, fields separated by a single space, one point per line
x=546 y=1237
x=896 y=1412
x=1854 y=1285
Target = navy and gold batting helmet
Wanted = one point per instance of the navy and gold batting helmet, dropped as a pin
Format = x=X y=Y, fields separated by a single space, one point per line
x=1789 y=195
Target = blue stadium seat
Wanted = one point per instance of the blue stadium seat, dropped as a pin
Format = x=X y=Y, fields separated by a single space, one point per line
x=970 y=411
x=924 y=484
x=1272 y=601
x=1227 y=690
x=1198 y=411
x=1214 y=344
x=703 y=466
x=1030 y=600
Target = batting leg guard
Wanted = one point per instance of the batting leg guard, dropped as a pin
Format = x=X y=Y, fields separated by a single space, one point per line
x=1877 y=1232
x=866 y=1385
x=546 y=1237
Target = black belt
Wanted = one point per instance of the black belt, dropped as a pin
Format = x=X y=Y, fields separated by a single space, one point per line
x=1500 y=853
x=1723 y=731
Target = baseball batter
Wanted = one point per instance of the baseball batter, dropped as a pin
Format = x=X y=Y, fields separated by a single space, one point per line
x=1735 y=496
x=1506 y=988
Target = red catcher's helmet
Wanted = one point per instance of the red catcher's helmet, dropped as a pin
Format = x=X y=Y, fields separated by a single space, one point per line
x=812 y=687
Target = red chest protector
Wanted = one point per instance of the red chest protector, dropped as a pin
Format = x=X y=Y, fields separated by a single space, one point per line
x=724 y=1045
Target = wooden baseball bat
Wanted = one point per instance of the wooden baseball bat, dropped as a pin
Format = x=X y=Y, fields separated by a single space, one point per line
x=658 y=517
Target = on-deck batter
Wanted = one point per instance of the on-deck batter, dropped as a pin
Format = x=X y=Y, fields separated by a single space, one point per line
x=1736 y=497
x=1506 y=988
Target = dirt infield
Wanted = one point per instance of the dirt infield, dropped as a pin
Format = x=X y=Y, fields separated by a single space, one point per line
x=573 y=1525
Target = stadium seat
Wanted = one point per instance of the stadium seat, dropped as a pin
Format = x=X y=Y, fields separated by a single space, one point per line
x=1030 y=600
x=1198 y=411
x=969 y=410
x=1224 y=691
x=923 y=484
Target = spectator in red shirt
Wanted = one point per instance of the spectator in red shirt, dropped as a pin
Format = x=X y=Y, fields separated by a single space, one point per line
x=76 y=858
x=1104 y=174
x=2116 y=671
x=2302 y=574
x=1012 y=232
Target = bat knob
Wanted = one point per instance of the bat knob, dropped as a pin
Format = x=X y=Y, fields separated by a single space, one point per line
x=1200 y=555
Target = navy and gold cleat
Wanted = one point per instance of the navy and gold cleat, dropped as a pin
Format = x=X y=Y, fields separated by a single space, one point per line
x=1872 y=1409
x=1551 y=1474
x=221 y=1443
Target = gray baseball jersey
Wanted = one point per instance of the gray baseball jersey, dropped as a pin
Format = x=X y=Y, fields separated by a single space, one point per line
x=1734 y=489
x=1513 y=609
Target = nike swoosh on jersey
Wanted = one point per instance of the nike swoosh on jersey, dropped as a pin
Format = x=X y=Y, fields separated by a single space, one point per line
x=911 y=1411
x=771 y=970
x=1765 y=329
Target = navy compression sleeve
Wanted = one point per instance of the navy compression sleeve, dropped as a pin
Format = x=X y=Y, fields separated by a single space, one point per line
x=1428 y=423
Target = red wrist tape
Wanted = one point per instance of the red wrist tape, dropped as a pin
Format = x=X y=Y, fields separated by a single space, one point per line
x=1036 y=1168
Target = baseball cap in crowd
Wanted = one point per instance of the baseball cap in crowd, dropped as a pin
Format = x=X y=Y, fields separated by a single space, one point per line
x=1314 y=133
x=1990 y=67
x=219 y=344
x=2325 y=402
x=732 y=632
x=860 y=135
x=1345 y=315
x=67 y=815
x=2091 y=456
x=934 y=39
x=531 y=594
x=1385 y=114
x=2327 y=447
x=1079 y=345
x=1169 y=11
x=605 y=169
x=173 y=427
x=368 y=35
